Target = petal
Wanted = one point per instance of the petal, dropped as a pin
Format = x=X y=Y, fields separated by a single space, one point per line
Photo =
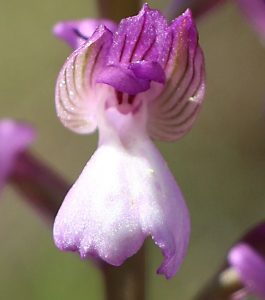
x=76 y=32
x=76 y=92
x=255 y=238
x=164 y=215
x=123 y=80
x=15 y=137
x=255 y=12
x=250 y=266
x=149 y=70
x=175 y=106
x=124 y=194
x=140 y=38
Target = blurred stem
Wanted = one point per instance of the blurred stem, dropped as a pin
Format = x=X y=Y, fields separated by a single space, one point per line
x=39 y=185
x=128 y=281
x=118 y=9
x=222 y=287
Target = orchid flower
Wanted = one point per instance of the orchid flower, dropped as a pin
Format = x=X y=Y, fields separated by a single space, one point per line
x=15 y=137
x=248 y=259
x=142 y=81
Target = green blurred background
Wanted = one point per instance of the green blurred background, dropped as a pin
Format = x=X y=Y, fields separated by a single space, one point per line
x=220 y=164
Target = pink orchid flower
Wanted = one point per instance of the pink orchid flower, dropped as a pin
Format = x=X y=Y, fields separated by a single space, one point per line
x=139 y=81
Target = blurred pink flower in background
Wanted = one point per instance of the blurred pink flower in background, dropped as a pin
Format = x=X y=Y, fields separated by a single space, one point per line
x=74 y=32
x=15 y=138
x=247 y=257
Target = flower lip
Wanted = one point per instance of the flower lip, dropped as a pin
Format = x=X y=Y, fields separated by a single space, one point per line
x=138 y=197
x=15 y=137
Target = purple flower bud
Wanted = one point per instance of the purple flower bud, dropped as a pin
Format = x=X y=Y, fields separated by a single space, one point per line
x=39 y=185
x=77 y=32
x=248 y=259
x=15 y=137
x=145 y=80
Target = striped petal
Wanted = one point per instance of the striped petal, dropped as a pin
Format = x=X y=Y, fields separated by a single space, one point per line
x=76 y=32
x=141 y=37
x=139 y=49
x=175 y=106
x=77 y=92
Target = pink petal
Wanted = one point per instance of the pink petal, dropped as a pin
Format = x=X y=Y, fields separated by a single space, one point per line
x=250 y=266
x=138 y=46
x=175 y=106
x=123 y=80
x=149 y=70
x=15 y=137
x=77 y=97
x=124 y=194
x=139 y=38
x=76 y=32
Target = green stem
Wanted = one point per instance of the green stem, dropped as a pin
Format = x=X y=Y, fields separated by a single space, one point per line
x=128 y=281
x=118 y=9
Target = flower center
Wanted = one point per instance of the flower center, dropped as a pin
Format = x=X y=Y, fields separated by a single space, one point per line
x=125 y=103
